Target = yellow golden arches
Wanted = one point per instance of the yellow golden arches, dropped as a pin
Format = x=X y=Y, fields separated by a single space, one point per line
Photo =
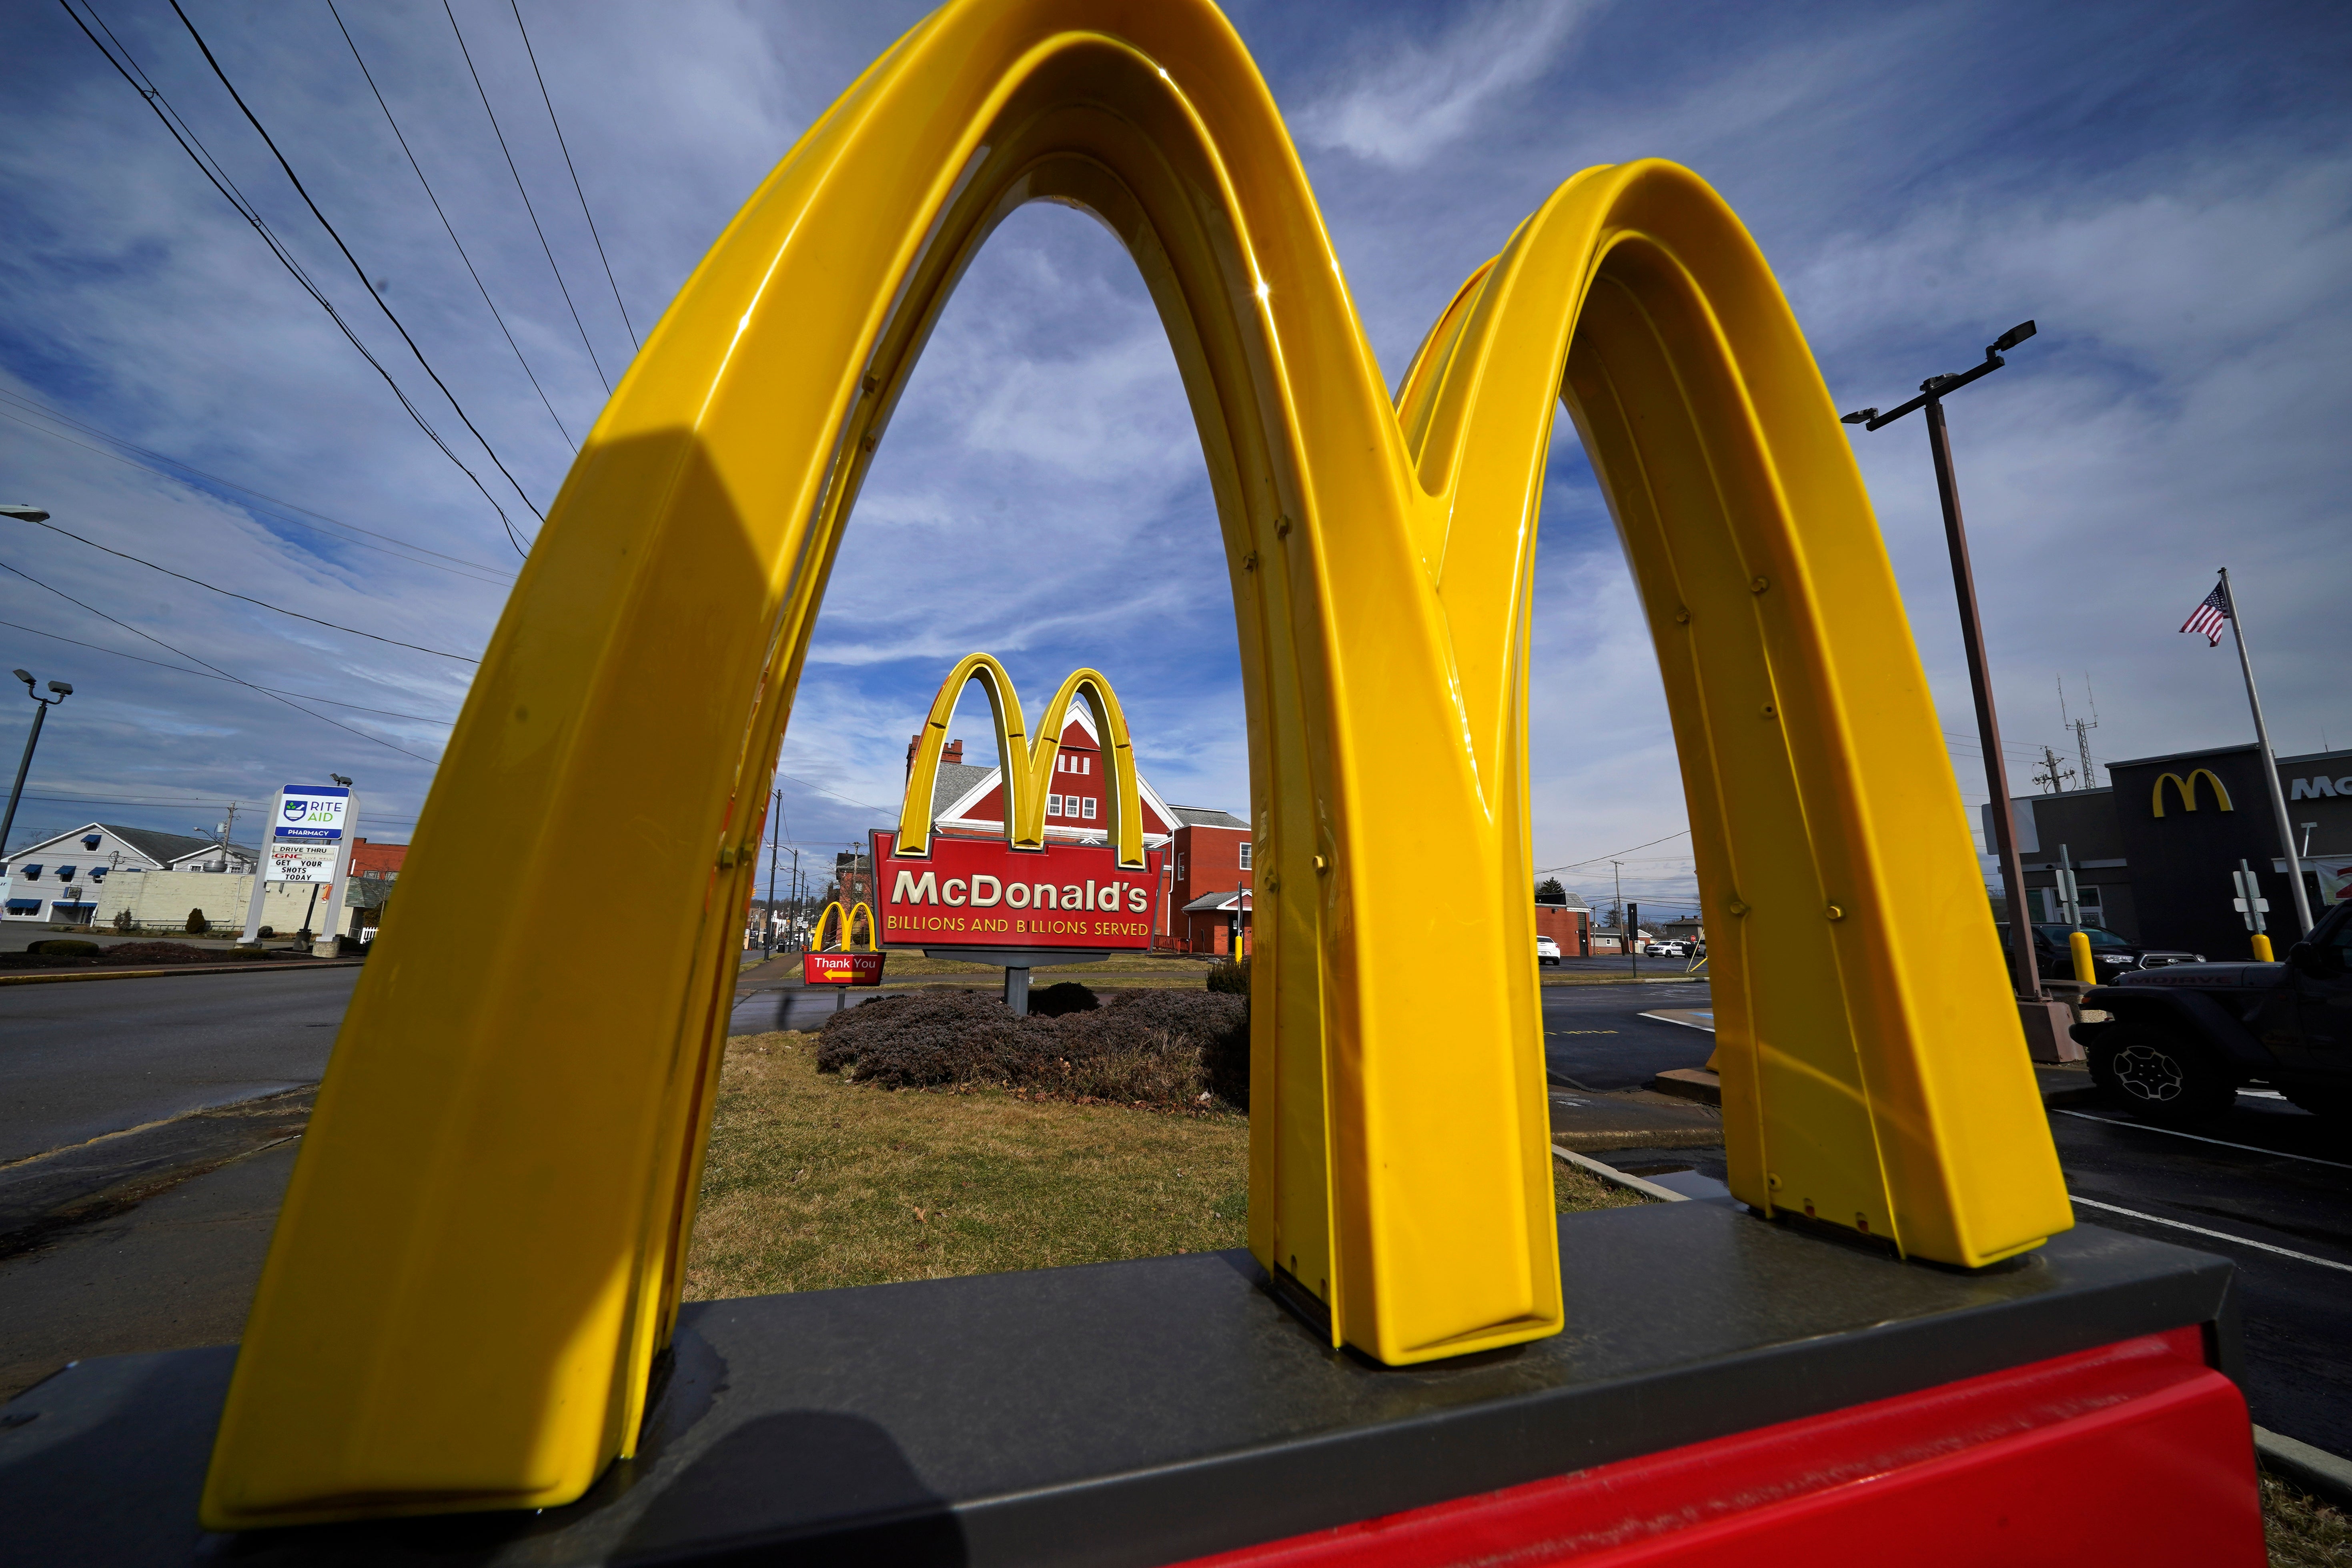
x=848 y=926
x=465 y=1293
x=2187 y=791
x=1028 y=765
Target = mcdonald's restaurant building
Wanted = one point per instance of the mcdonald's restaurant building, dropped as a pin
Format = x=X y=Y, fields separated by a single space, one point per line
x=2153 y=852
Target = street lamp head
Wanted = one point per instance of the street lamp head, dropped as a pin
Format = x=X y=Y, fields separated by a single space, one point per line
x=1859 y=416
x=340 y=779
x=61 y=689
x=2009 y=338
x=24 y=513
x=26 y=676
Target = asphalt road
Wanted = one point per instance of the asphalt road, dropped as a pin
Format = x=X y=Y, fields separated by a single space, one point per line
x=2287 y=1186
x=88 y=1058
x=1595 y=1038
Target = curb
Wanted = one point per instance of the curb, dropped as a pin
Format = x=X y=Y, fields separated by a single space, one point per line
x=1648 y=1189
x=282 y=966
x=2324 y=1475
x=1689 y=1083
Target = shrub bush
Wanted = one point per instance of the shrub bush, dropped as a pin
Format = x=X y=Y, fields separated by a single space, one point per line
x=198 y=925
x=1163 y=1048
x=1230 y=976
x=265 y=931
x=64 y=947
x=157 y=952
x=1066 y=997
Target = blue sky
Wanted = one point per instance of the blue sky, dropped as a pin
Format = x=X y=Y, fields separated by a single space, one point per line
x=2167 y=188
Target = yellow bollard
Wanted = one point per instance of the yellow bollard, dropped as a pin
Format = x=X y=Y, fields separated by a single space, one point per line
x=2084 y=970
x=2263 y=948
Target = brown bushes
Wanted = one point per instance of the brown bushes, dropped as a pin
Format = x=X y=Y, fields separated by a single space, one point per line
x=1175 y=1050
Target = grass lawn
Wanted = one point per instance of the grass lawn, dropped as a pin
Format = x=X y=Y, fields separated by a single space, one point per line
x=813 y=1183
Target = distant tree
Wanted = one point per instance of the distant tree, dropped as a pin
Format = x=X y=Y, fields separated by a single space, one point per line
x=1611 y=916
x=1549 y=891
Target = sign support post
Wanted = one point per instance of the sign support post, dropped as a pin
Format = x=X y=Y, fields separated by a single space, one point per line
x=251 y=935
x=327 y=941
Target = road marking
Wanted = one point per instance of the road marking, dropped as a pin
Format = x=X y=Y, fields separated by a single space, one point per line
x=2218 y=1142
x=2216 y=1235
x=1688 y=1017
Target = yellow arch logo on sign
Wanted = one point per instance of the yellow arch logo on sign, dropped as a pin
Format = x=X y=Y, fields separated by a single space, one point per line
x=848 y=925
x=1028 y=765
x=480 y=1252
x=2187 y=791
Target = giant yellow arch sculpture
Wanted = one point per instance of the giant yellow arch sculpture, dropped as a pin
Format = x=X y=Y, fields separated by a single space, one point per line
x=479 y=1254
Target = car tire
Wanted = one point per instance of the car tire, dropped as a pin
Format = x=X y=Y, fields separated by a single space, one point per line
x=2161 y=1077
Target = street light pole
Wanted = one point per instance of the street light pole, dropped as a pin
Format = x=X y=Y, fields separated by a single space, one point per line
x=768 y=947
x=25 y=764
x=1932 y=393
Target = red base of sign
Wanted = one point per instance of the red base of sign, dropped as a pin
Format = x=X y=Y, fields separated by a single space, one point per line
x=2136 y=1452
x=842 y=968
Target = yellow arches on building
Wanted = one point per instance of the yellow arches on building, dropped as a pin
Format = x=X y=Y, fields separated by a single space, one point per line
x=1028 y=765
x=479 y=1254
x=2187 y=791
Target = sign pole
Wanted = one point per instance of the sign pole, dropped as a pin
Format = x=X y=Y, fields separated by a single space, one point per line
x=327 y=942
x=252 y=933
x=2270 y=765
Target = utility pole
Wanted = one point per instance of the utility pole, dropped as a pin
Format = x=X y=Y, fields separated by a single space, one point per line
x=16 y=791
x=770 y=947
x=2053 y=774
x=2082 y=728
x=1932 y=393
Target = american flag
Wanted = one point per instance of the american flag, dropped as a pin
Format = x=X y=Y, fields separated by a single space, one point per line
x=2209 y=618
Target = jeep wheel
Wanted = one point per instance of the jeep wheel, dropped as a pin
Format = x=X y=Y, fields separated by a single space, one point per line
x=2161 y=1077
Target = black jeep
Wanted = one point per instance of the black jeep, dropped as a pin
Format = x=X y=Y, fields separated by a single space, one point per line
x=2178 y=1041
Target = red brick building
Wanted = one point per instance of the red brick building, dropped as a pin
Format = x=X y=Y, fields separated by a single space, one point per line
x=1210 y=882
x=1568 y=924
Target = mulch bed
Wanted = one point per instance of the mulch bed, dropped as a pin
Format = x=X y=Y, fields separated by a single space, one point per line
x=141 y=956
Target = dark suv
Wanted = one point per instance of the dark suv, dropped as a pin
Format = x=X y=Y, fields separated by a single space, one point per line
x=2111 y=955
x=2179 y=1040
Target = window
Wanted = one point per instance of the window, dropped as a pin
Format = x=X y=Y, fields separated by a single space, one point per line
x=65 y=873
x=33 y=872
x=1180 y=865
x=1089 y=806
x=23 y=906
x=1053 y=805
x=1245 y=852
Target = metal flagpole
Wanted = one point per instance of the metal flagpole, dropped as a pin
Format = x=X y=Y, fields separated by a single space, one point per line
x=2270 y=762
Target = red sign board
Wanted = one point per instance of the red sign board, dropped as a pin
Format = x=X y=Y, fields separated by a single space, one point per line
x=842 y=968
x=983 y=892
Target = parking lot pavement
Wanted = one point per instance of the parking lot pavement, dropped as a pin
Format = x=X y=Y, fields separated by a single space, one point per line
x=1596 y=1040
x=2270 y=1189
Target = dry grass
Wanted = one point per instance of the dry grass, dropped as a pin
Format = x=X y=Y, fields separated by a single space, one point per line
x=2303 y=1532
x=813 y=1183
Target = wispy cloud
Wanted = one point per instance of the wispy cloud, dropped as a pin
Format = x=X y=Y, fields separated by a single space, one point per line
x=1412 y=97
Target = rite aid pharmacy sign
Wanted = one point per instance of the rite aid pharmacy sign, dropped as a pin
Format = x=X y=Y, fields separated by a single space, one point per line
x=308 y=833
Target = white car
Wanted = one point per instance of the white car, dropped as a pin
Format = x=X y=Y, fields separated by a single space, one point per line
x=1547 y=951
x=1668 y=950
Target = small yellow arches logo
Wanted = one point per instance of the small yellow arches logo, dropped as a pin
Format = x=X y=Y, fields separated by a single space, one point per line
x=849 y=917
x=1028 y=765
x=2188 y=789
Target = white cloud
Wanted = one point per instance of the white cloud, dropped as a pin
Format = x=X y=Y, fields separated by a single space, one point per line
x=1417 y=98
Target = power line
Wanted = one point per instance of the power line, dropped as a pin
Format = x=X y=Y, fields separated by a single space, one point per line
x=507 y=580
x=1612 y=855
x=527 y=207
x=218 y=173
x=255 y=121
x=448 y=227
x=575 y=174
x=247 y=598
x=183 y=653
x=204 y=675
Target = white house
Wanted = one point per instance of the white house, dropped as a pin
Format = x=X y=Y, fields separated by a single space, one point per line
x=57 y=879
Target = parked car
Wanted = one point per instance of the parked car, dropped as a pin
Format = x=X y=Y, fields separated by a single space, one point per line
x=2111 y=955
x=1547 y=951
x=2179 y=1040
x=1668 y=949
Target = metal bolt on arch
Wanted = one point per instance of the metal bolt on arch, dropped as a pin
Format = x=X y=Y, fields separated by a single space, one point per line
x=480 y=1254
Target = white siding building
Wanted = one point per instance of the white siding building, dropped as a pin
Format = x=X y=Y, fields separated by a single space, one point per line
x=59 y=879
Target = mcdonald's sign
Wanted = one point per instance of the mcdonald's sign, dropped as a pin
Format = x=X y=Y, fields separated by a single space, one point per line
x=1019 y=890
x=492 y=1342
x=2187 y=791
x=844 y=967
